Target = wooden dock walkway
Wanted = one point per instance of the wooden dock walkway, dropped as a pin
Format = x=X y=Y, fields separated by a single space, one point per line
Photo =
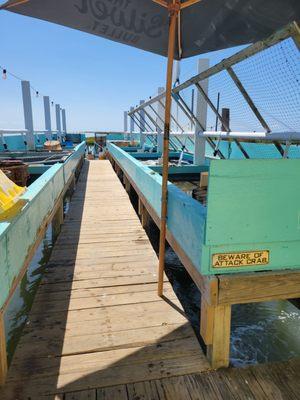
x=97 y=329
x=96 y=320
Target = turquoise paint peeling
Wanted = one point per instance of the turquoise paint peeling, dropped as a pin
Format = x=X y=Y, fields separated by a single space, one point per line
x=18 y=235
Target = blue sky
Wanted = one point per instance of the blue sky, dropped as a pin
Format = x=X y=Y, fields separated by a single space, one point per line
x=93 y=78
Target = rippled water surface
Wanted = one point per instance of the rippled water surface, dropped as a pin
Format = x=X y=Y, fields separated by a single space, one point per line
x=260 y=332
x=21 y=302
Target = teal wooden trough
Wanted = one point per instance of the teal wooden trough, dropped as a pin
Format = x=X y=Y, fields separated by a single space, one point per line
x=18 y=235
x=251 y=221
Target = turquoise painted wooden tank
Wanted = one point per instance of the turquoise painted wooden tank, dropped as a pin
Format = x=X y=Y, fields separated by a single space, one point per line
x=251 y=221
x=19 y=234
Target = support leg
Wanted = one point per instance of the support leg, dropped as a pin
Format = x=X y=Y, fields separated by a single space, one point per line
x=145 y=217
x=72 y=185
x=58 y=220
x=215 y=331
x=3 y=354
x=140 y=207
x=127 y=186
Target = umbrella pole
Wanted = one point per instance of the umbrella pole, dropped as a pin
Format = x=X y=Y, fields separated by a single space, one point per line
x=173 y=10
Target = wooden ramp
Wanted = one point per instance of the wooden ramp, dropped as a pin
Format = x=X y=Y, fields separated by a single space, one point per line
x=96 y=320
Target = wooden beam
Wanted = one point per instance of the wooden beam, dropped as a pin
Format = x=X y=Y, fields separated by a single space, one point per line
x=140 y=207
x=3 y=353
x=189 y=3
x=211 y=105
x=206 y=322
x=145 y=217
x=173 y=17
x=161 y=3
x=16 y=3
x=185 y=108
x=218 y=351
x=127 y=186
x=58 y=220
x=248 y=99
x=258 y=286
x=296 y=35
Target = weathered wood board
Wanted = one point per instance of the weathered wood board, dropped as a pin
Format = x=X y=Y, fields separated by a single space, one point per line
x=96 y=320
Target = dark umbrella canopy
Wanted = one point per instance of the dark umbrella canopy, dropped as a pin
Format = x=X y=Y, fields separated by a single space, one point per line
x=206 y=26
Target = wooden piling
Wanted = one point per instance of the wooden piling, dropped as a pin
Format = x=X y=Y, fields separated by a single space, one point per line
x=218 y=322
x=144 y=215
x=58 y=220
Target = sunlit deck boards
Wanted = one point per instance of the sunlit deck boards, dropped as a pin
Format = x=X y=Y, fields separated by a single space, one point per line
x=96 y=320
x=263 y=382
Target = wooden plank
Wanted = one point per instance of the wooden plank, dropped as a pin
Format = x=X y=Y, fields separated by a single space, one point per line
x=90 y=320
x=206 y=322
x=66 y=283
x=3 y=354
x=89 y=363
x=104 y=300
x=175 y=388
x=95 y=292
x=200 y=387
x=89 y=394
x=115 y=375
x=143 y=391
x=91 y=340
x=259 y=286
x=113 y=393
x=97 y=321
x=218 y=351
x=145 y=217
x=58 y=220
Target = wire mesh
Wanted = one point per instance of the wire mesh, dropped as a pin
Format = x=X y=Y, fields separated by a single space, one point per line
x=271 y=78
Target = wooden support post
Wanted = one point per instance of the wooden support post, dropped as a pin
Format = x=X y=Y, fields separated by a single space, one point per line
x=119 y=171
x=160 y=123
x=3 y=354
x=145 y=217
x=140 y=207
x=58 y=220
x=248 y=99
x=174 y=9
x=215 y=331
x=206 y=322
x=126 y=184
x=72 y=185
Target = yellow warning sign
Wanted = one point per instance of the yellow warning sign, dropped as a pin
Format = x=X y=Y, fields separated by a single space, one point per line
x=242 y=259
